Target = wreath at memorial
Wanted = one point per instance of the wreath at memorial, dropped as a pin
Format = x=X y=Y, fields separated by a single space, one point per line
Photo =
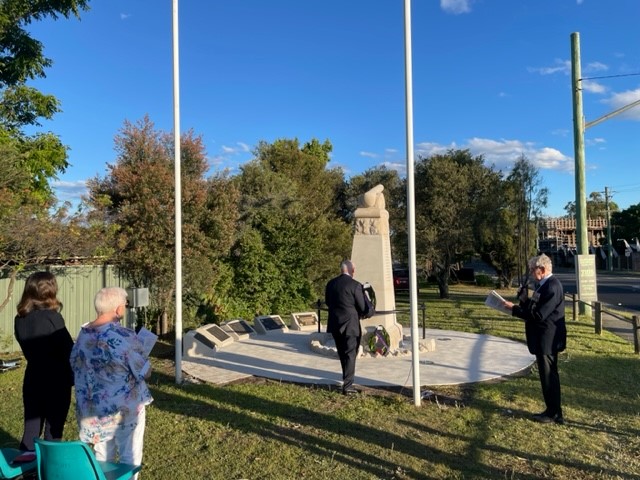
x=379 y=341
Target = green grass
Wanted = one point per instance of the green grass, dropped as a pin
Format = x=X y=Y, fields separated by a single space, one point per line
x=262 y=429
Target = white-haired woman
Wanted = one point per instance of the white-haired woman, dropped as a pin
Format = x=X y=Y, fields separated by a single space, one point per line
x=110 y=368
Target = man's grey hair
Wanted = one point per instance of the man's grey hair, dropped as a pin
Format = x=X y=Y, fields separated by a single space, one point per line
x=347 y=267
x=544 y=262
x=109 y=298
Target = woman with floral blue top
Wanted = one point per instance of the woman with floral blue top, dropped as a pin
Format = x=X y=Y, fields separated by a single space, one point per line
x=110 y=367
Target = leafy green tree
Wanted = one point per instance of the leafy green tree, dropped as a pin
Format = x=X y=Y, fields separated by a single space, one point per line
x=33 y=229
x=292 y=238
x=596 y=206
x=22 y=56
x=529 y=199
x=450 y=189
x=626 y=223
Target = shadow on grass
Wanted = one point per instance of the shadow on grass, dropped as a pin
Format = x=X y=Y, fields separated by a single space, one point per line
x=243 y=411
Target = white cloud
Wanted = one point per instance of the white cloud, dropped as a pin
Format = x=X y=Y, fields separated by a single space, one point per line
x=622 y=99
x=456 y=6
x=399 y=167
x=503 y=153
x=368 y=154
x=125 y=16
x=561 y=66
x=69 y=191
x=228 y=150
x=240 y=147
x=593 y=87
x=595 y=67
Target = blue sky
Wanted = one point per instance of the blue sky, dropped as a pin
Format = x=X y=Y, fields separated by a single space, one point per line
x=492 y=76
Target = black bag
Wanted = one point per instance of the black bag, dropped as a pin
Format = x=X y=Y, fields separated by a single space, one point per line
x=369 y=301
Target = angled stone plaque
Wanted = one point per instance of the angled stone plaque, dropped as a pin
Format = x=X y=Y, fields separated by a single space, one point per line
x=203 y=341
x=239 y=329
x=304 y=321
x=268 y=323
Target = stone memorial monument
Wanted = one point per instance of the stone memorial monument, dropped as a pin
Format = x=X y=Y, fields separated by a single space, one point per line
x=371 y=254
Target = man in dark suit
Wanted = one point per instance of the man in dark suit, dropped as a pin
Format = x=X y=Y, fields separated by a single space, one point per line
x=345 y=298
x=546 y=332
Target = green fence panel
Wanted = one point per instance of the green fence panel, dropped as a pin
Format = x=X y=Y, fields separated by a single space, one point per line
x=77 y=285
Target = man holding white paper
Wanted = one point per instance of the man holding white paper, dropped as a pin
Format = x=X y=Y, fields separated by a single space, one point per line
x=546 y=332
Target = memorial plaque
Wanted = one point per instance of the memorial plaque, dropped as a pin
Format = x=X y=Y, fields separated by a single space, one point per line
x=238 y=329
x=206 y=341
x=212 y=336
x=269 y=323
x=307 y=321
x=218 y=333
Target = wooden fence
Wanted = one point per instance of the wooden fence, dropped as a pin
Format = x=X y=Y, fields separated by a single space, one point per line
x=597 y=314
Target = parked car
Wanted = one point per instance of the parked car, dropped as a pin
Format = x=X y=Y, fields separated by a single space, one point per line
x=401 y=279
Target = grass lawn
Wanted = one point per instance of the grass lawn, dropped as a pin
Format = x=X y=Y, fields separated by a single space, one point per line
x=262 y=429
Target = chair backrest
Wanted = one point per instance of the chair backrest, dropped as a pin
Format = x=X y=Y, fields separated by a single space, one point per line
x=9 y=469
x=66 y=460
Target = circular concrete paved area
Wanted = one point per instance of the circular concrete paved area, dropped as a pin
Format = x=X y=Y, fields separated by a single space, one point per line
x=459 y=358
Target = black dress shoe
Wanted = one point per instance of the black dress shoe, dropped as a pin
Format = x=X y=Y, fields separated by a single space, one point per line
x=537 y=416
x=546 y=418
x=350 y=391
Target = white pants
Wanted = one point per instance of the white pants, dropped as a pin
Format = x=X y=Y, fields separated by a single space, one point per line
x=126 y=444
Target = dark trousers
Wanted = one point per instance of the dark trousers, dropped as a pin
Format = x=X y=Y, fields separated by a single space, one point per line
x=46 y=410
x=347 y=347
x=550 y=382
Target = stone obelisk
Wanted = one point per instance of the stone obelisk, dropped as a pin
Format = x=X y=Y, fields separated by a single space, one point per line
x=371 y=254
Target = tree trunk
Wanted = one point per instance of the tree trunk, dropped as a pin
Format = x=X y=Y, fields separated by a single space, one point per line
x=12 y=282
x=443 y=283
x=165 y=322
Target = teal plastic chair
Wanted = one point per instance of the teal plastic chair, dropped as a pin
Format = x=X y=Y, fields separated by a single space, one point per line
x=13 y=470
x=75 y=460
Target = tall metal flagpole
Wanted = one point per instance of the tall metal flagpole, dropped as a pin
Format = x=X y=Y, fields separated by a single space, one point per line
x=178 y=192
x=411 y=216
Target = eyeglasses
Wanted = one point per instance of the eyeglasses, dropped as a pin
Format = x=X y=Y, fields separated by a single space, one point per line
x=127 y=304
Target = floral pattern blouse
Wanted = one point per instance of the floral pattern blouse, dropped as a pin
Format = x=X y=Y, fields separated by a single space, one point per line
x=109 y=366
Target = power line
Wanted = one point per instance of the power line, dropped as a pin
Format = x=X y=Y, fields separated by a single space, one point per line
x=612 y=76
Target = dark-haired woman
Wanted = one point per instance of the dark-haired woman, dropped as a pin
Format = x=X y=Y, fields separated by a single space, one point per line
x=46 y=344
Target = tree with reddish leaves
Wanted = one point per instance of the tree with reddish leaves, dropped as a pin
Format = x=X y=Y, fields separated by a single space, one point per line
x=136 y=198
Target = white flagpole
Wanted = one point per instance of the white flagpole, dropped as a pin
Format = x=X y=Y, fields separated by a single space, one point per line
x=178 y=193
x=411 y=216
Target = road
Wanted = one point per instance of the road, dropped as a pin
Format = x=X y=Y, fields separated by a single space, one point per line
x=621 y=289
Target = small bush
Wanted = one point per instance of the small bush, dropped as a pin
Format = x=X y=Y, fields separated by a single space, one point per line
x=483 y=280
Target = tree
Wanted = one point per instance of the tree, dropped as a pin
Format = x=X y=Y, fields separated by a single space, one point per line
x=137 y=199
x=291 y=239
x=450 y=191
x=530 y=198
x=21 y=56
x=596 y=206
x=626 y=223
x=32 y=229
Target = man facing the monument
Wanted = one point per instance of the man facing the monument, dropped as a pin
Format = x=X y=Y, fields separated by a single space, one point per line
x=345 y=298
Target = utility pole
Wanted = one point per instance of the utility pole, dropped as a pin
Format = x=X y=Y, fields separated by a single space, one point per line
x=585 y=263
x=578 y=143
x=610 y=245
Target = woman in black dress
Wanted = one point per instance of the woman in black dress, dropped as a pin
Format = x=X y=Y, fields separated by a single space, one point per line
x=46 y=344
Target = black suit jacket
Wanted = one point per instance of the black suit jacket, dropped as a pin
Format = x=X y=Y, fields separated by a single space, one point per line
x=345 y=298
x=543 y=313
